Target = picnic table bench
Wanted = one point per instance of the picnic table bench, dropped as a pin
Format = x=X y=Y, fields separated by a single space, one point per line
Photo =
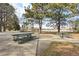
x=22 y=37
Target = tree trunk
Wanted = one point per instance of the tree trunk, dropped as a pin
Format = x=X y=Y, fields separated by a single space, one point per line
x=4 y=24
x=0 y=27
x=1 y=22
x=75 y=27
x=32 y=26
x=59 y=26
x=40 y=26
x=4 y=28
x=59 y=20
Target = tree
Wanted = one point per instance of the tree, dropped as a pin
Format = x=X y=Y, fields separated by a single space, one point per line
x=29 y=15
x=61 y=11
x=75 y=24
x=7 y=17
x=56 y=11
x=15 y=24
x=35 y=13
x=39 y=12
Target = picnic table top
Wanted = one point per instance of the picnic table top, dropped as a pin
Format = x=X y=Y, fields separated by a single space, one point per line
x=22 y=33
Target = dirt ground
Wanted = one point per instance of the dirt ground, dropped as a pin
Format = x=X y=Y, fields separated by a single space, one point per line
x=75 y=35
x=10 y=48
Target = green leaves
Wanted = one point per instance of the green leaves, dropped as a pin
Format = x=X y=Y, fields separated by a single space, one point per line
x=11 y=21
x=29 y=13
x=56 y=11
x=38 y=16
x=40 y=10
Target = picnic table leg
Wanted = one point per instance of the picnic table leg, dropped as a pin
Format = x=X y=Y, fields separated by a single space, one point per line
x=14 y=38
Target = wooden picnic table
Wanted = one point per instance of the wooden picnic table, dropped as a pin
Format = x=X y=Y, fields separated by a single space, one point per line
x=22 y=37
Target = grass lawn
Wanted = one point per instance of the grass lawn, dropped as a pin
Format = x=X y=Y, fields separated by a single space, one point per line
x=61 y=49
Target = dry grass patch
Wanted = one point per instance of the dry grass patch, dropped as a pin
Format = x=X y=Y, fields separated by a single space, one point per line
x=75 y=35
x=61 y=49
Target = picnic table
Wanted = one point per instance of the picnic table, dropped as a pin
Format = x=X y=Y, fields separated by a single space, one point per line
x=22 y=37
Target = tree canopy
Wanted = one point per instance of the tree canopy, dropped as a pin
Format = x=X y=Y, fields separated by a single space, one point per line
x=8 y=18
x=56 y=11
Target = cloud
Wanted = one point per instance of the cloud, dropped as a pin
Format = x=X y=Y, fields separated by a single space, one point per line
x=19 y=10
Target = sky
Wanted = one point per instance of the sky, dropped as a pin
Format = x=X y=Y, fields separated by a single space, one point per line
x=19 y=10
